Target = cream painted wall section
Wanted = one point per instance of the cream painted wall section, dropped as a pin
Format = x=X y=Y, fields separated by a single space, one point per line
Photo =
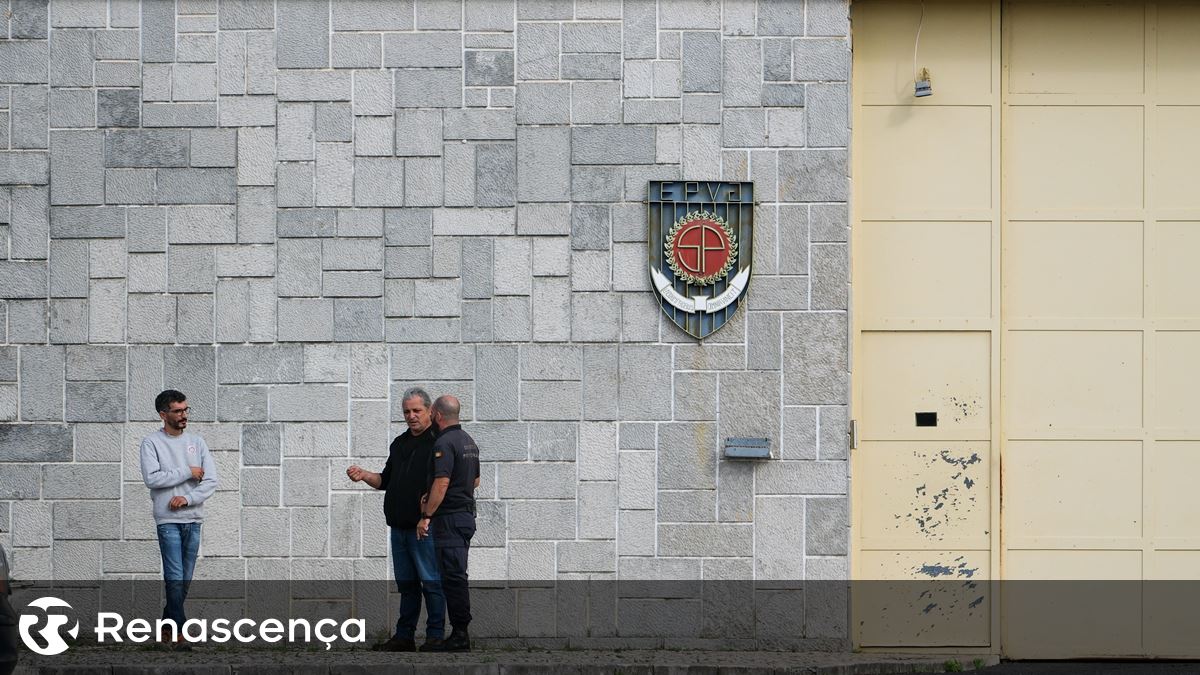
x=1024 y=253
x=926 y=224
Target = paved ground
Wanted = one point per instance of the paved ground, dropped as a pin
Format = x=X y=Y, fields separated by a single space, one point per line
x=1093 y=668
x=99 y=661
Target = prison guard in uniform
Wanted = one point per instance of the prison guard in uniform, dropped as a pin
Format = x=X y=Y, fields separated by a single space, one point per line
x=455 y=456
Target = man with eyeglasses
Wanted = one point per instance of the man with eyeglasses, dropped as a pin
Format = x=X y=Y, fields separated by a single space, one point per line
x=179 y=469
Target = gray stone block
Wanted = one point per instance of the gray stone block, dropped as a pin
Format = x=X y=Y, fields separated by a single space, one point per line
x=780 y=523
x=179 y=114
x=76 y=167
x=29 y=18
x=305 y=319
x=750 y=406
x=68 y=321
x=24 y=62
x=129 y=186
x=260 y=364
x=35 y=442
x=537 y=51
x=370 y=15
x=701 y=61
x=830 y=277
x=429 y=88
x=645 y=372
x=78 y=14
x=241 y=404
x=543 y=103
x=152 y=318
x=423 y=50
x=600 y=385
x=105 y=364
x=302 y=34
x=87 y=222
x=593 y=314
x=308 y=402
x=822 y=60
x=407 y=262
x=591 y=66
x=827 y=115
x=695 y=396
x=687 y=506
x=294 y=184
x=496 y=174
x=607 y=144
x=479 y=125
x=542 y=519
x=29 y=229
x=743 y=127
x=195 y=318
x=596 y=102
x=598 y=451
x=512 y=319
x=488 y=68
x=197 y=186
x=245 y=14
x=303 y=222
x=256 y=157
x=551 y=441
x=422 y=181
x=246 y=111
x=636 y=480
x=378 y=181
x=357 y=50
x=358 y=319
x=260 y=444
x=551 y=400
x=191 y=269
x=231 y=63
x=158 y=32
x=408 y=227
x=418 y=133
x=640 y=23
x=30 y=109
x=192 y=371
x=71 y=57
x=86 y=520
x=23 y=279
x=81 y=481
x=827 y=526
x=551 y=309
x=496 y=382
x=543 y=164
x=272 y=532
x=72 y=108
x=777 y=59
x=813 y=175
x=146 y=148
x=741 y=80
x=295 y=131
x=688 y=456
x=590 y=230
x=313 y=85
x=17 y=168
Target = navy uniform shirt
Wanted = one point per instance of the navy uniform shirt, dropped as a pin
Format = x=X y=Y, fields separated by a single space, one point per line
x=455 y=456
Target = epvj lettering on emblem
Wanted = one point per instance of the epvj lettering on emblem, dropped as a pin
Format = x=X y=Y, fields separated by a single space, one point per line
x=701 y=249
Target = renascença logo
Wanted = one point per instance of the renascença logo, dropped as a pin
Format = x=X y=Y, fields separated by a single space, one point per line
x=55 y=644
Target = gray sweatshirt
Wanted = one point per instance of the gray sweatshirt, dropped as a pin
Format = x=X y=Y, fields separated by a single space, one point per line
x=167 y=463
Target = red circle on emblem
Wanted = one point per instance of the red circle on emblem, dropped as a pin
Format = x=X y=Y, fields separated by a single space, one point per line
x=701 y=248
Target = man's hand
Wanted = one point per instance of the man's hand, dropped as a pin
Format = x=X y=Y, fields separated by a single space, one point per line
x=177 y=503
x=356 y=473
x=198 y=473
x=422 y=528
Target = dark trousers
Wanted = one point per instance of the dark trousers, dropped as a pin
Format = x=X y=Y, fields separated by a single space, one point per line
x=452 y=539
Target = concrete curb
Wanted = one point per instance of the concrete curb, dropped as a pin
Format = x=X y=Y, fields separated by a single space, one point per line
x=507 y=663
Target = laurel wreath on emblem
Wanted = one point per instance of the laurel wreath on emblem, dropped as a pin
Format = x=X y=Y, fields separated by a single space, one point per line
x=670 y=248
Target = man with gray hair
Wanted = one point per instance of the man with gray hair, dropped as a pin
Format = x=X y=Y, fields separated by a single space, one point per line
x=406 y=478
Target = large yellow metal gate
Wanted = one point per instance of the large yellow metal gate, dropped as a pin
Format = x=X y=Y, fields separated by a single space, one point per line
x=1027 y=323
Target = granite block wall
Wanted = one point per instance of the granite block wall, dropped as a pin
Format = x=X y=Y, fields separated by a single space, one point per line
x=294 y=210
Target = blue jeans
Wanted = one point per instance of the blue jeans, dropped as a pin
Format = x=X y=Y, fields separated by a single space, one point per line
x=179 y=543
x=414 y=563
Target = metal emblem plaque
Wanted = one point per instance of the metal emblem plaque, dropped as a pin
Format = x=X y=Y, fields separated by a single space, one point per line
x=701 y=245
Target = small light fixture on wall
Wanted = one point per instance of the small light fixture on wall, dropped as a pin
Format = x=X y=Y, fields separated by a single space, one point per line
x=923 y=86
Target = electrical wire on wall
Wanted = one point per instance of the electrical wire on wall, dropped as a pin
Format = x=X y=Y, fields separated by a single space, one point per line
x=922 y=86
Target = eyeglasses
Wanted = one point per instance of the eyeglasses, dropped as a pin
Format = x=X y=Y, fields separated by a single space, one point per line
x=177 y=412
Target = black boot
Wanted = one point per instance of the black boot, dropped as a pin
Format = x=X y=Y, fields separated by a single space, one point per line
x=433 y=645
x=458 y=641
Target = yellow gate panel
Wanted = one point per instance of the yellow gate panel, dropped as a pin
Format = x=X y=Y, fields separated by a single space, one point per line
x=1072 y=491
x=1073 y=269
x=924 y=598
x=1170 y=599
x=1177 y=396
x=1072 y=158
x=1068 y=604
x=925 y=177
x=1075 y=48
x=930 y=495
x=910 y=374
x=1175 y=285
x=1064 y=382
x=1174 y=168
x=956 y=44
x=925 y=269
x=1176 y=503
x=1178 y=51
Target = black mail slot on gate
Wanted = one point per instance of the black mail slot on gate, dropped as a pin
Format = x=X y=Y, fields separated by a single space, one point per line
x=927 y=419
